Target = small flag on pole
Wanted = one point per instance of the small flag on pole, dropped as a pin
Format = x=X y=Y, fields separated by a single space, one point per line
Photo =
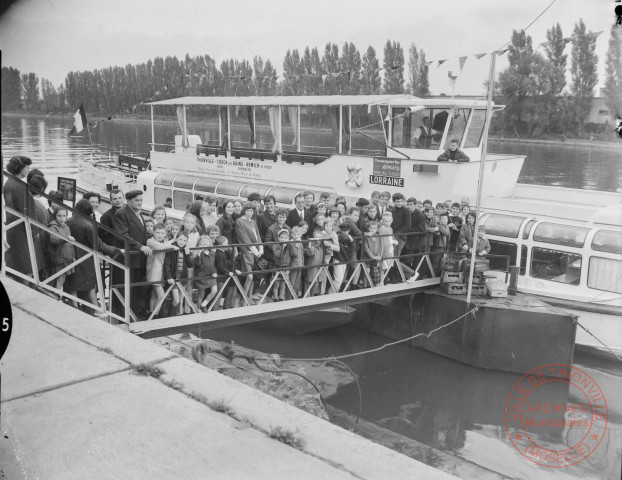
x=462 y=61
x=79 y=120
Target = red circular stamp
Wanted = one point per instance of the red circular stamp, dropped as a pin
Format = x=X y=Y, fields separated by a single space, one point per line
x=556 y=415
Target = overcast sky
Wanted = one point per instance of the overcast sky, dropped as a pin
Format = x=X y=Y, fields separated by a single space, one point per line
x=53 y=37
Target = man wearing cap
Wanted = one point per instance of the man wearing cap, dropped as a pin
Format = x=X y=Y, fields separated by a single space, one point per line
x=247 y=233
x=128 y=221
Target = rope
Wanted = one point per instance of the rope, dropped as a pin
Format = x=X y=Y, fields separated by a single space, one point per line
x=382 y=347
x=576 y=320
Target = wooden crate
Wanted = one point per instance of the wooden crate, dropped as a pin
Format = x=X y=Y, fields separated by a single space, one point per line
x=452 y=264
x=481 y=265
x=454 y=288
x=497 y=288
x=478 y=289
x=451 y=277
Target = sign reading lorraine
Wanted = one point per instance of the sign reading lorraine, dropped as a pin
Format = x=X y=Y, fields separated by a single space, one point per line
x=387 y=171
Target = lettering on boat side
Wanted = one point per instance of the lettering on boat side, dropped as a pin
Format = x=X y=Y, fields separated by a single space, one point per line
x=388 y=167
x=537 y=414
x=243 y=168
x=389 y=181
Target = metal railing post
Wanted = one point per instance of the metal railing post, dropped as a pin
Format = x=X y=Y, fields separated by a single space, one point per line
x=126 y=280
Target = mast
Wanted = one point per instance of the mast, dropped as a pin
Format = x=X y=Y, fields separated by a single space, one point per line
x=152 y=131
x=482 y=166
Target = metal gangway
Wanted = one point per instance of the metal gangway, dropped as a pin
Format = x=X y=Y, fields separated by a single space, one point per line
x=110 y=292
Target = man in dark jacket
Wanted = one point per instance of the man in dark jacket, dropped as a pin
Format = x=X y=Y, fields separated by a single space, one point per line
x=299 y=214
x=453 y=153
x=417 y=226
x=117 y=199
x=401 y=222
x=267 y=218
x=128 y=221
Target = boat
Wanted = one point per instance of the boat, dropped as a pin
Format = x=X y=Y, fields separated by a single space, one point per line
x=536 y=226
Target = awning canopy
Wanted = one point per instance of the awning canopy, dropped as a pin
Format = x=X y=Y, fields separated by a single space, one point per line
x=290 y=101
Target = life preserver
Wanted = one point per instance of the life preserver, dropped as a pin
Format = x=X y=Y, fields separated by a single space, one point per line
x=354 y=178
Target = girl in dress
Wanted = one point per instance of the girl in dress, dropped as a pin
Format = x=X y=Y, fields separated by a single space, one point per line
x=155 y=263
x=205 y=272
x=60 y=252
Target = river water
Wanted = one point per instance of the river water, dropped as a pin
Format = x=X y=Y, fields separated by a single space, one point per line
x=422 y=396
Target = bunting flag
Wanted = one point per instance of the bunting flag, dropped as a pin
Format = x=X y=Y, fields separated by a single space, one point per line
x=440 y=62
x=79 y=120
x=480 y=55
x=429 y=63
x=462 y=61
x=501 y=52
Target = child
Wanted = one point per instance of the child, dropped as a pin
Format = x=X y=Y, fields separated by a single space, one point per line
x=213 y=232
x=60 y=252
x=439 y=245
x=331 y=242
x=205 y=272
x=176 y=265
x=387 y=241
x=483 y=245
x=149 y=226
x=159 y=215
x=304 y=228
x=168 y=223
x=155 y=263
x=318 y=221
x=281 y=261
x=224 y=267
x=296 y=256
x=175 y=232
x=188 y=226
x=372 y=249
x=314 y=253
x=321 y=209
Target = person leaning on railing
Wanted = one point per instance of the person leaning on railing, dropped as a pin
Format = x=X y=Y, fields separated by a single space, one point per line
x=82 y=229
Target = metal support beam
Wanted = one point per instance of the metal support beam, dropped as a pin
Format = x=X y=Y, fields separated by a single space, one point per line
x=255 y=313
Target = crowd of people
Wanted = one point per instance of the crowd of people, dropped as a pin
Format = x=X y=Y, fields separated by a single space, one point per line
x=376 y=239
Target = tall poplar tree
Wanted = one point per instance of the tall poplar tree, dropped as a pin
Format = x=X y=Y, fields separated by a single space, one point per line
x=11 y=89
x=613 y=81
x=370 y=75
x=583 y=72
x=30 y=88
x=413 y=69
x=423 y=88
x=393 y=64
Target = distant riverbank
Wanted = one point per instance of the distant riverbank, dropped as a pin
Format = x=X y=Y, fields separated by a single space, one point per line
x=161 y=119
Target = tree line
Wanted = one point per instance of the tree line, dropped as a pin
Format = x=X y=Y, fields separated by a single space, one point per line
x=116 y=89
x=533 y=86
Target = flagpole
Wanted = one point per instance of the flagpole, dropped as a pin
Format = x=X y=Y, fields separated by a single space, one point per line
x=482 y=166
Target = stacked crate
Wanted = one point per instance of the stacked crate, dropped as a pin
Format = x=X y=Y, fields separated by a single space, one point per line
x=452 y=276
x=479 y=279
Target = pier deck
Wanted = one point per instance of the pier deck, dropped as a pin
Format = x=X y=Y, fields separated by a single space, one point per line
x=195 y=323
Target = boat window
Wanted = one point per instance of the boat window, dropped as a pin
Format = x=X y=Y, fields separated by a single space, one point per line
x=164 y=179
x=502 y=248
x=184 y=181
x=528 y=228
x=607 y=241
x=160 y=195
x=524 y=253
x=560 y=234
x=181 y=200
x=503 y=225
x=555 y=265
x=285 y=195
x=426 y=127
x=457 y=125
x=260 y=189
x=476 y=129
x=207 y=184
x=605 y=274
x=231 y=189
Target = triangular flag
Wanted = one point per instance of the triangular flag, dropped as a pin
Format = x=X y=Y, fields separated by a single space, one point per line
x=479 y=55
x=544 y=44
x=462 y=61
x=440 y=62
x=79 y=120
x=594 y=34
x=567 y=40
x=523 y=50
x=501 y=52
x=430 y=62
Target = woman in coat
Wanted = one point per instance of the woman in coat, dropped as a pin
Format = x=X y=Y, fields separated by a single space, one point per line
x=467 y=233
x=81 y=227
x=18 y=197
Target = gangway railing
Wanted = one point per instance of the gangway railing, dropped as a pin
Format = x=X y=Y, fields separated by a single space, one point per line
x=29 y=227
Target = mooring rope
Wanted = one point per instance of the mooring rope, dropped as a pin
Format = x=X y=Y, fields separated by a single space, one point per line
x=576 y=320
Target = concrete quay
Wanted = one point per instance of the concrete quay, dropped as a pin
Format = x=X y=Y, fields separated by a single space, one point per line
x=74 y=406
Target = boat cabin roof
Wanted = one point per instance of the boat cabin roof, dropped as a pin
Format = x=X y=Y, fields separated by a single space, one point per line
x=324 y=100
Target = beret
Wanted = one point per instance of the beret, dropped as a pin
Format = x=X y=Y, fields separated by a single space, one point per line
x=133 y=193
